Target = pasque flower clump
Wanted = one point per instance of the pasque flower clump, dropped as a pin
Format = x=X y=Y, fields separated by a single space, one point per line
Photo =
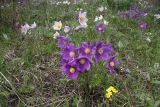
x=79 y=60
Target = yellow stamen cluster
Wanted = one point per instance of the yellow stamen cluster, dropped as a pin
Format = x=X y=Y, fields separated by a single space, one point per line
x=100 y=51
x=82 y=61
x=112 y=64
x=81 y=18
x=71 y=54
x=72 y=70
x=110 y=91
x=99 y=28
x=58 y=25
x=142 y=26
x=87 y=50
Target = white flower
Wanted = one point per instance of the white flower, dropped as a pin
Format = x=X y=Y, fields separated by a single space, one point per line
x=34 y=25
x=100 y=9
x=56 y=35
x=145 y=14
x=157 y=16
x=25 y=28
x=148 y=39
x=82 y=18
x=67 y=29
x=81 y=27
x=156 y=65
x=66 y=2
x=97 y=18
x=57 y=25
x=105 y=22
x=58 y=3
x=100 y=17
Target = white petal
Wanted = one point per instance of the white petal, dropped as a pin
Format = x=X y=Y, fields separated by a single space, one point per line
x=34 y=25
x=56 y=35
x=100 y=17
x=66 y=29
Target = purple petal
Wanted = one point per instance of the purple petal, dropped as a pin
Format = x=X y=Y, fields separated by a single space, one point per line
x=73 y=75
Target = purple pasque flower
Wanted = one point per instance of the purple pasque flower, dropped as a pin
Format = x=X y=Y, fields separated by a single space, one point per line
x=142 y=25
x=112 y=63
x=62 y=41
x=102 y=51
x=83 y=63
x=86 y=50
x=71 y=70
x=133 y=13
x=63 y=61
x=100 y=27
x=69 y=53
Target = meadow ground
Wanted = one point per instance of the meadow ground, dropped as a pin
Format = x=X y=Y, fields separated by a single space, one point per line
x=30 y=69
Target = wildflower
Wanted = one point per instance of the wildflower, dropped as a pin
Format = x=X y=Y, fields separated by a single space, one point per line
x=100 y=27
x=142 y=25
x=133 y=13
x=57 y=25
x=102 y=51
x=58 y=3
x=62 y=41
x=70 y=52
x=157 y=16
x=156 y=65
x=108 y=94
x=66 y=2
x=148 y=39
x=97 y=18
x=34 y=25
x=86 y=50
x=70 y=70
x=25 y=28
x=111 y=88
x=110 y=91
x=111 y=64
x=83 y=63
x=82 y=18
x=63 y=61
x=100 y=9
x=80 y=27
x=105 y=22
x=56 y=35
x=67 y=29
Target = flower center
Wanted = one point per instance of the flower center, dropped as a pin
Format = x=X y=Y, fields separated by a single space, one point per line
x=58 y=25
x=99 y=28
x=72 y=70
x=111 y=64
x=100 y=51
x=81 y=18
x=141 y=26
x=82 y=61
x=87 y=50
x=71 y=54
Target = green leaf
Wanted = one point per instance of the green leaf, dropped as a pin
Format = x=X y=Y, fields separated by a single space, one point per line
x=4 y=93
x=155 y=82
